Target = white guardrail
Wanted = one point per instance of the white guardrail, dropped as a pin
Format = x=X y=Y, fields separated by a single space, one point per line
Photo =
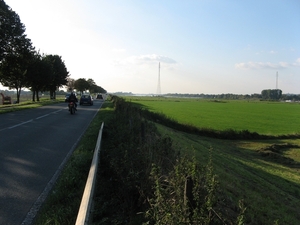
x=87 y=198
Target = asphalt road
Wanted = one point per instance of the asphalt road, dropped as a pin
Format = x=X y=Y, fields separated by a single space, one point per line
x=34 y=145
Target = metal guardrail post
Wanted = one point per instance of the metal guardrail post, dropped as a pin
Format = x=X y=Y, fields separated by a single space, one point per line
x=86 y=202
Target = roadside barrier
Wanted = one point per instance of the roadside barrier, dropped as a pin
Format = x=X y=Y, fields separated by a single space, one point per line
x=87 y=198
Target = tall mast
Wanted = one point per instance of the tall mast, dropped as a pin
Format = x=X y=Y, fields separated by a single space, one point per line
x=158 y=92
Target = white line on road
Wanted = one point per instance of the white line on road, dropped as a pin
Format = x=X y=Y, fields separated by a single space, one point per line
x=58 y=110
x=19 y=124
x=40 y=117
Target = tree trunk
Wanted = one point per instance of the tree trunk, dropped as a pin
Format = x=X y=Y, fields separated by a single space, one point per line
x=51 y=94
x=33 y=96
x=18 y=94
x=37 y=96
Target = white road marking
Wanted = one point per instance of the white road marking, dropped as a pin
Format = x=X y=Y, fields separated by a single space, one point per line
x=40 y=117
x=19 y=124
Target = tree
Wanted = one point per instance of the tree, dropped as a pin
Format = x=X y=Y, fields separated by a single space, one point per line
x=94 y=88
x=15 y=50
x=271 y=94
x=70 y=84
x=14 y=68
x=97 y=89
x=91 y=82
x=38 y=75
x=59 y=74
x=81 y=85
x=12 y=30
x=13 y=71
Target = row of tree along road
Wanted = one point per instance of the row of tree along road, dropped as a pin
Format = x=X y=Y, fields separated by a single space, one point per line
x=21 y=66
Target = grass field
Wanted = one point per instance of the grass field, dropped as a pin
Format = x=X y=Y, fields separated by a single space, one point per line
x=264 y=173
x=274 y=118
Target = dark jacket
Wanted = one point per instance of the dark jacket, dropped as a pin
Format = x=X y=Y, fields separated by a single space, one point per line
x=73 y=98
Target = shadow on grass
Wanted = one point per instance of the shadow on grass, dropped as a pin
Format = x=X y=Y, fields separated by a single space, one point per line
x=268 y=191
x=275 y=153
x=268 y=197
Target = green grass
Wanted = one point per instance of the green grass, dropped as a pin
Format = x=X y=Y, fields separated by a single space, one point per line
x=269 y=187
x=267 y=181
x=29 y=104
x=270 y=118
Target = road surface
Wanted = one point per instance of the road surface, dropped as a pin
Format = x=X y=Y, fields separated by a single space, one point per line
x=34 y=145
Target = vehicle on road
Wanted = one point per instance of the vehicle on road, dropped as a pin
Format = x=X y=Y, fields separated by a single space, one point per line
x=86 y=99
x=72 y=108
x=99 y=96
x=67 y=97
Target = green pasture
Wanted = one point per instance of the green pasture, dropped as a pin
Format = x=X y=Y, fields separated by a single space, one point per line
x=271 y=118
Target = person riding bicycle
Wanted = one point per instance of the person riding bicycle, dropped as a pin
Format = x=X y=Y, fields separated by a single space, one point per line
x=73 y=99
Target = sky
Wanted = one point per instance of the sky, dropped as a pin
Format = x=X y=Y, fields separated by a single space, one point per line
x=202 y=46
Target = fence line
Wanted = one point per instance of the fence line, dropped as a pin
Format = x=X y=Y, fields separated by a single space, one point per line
x=86 y=202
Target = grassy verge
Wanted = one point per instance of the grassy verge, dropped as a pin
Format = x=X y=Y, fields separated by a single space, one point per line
x=145 y=179
x=62 y=204
x=28 y=105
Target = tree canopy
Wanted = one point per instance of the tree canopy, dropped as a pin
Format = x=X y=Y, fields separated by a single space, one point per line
x=59 y=74
x=15 y=50
x=38 y=76
x=12 y=35
x=82 y=85
x=20 y=65
x=23 y=67
x=70 y=84
x=271 y=94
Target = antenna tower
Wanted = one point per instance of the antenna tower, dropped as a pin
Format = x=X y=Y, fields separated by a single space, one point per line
x=158 y=92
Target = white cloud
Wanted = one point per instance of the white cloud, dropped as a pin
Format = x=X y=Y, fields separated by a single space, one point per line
x=266 y=65
x=297 y=63
x=258 y=65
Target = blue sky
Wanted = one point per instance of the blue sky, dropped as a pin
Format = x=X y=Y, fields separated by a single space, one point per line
x=204 y=46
